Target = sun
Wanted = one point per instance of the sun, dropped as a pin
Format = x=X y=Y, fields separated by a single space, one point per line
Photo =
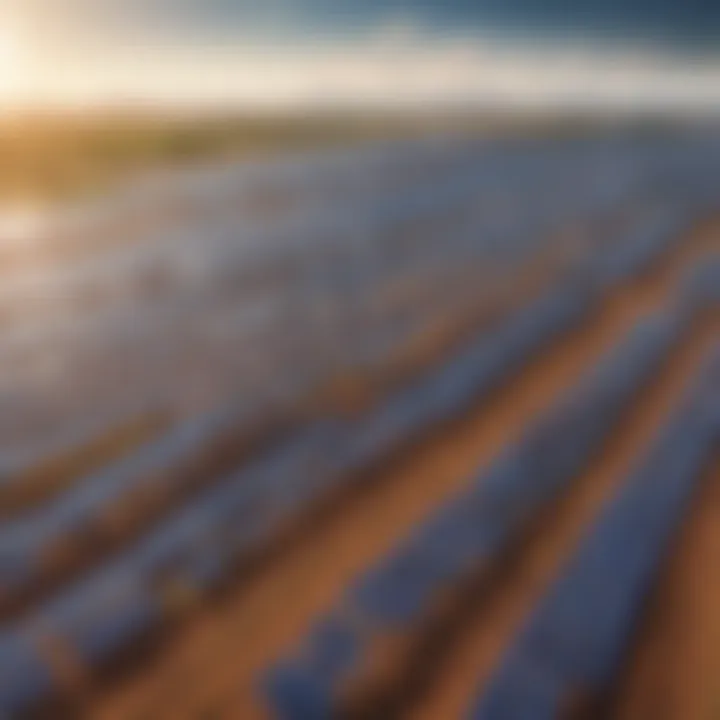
x=13 y=63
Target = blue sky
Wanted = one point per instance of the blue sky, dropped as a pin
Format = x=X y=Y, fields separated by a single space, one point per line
x=666 y=21
x=671 y=23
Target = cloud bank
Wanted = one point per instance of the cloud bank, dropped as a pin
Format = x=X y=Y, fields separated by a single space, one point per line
x=397 y=63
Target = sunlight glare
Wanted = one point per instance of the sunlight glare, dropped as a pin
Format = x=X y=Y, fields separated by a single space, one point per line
x=13 y=64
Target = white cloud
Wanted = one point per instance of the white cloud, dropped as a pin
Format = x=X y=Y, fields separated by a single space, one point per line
x=398 y=63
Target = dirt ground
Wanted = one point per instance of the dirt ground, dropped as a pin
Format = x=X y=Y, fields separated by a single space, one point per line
x=210 y=667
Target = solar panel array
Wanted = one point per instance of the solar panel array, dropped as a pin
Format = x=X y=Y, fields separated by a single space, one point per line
x=181 y=397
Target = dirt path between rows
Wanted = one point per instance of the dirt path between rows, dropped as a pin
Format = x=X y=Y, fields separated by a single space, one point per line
x=675 y=672
x=460 y=677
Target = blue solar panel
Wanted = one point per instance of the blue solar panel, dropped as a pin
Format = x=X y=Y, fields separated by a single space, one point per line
x=578 y=635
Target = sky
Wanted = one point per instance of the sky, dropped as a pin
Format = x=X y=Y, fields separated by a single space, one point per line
x=619 y=53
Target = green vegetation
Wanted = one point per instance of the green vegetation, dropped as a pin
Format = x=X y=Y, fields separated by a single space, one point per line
x=49 y=157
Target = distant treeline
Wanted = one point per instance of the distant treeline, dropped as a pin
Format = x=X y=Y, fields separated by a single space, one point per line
x=51 y=156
